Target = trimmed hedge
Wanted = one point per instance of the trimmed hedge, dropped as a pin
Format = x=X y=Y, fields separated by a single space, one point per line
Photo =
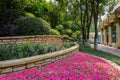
x=32 y=26
x=54 y=32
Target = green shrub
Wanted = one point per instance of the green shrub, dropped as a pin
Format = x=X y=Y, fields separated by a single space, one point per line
x=28 y=49
x=54 y=32
x=68 y=44
x=25 y=50
x=40 y=48
x=32 y=26
x=69 y=32
x=59 y=27
x=28 y=14
x=52 y=48
x=3 y=52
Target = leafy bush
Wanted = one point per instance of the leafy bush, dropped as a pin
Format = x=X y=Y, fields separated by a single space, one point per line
x=28 y=14
x=25 y=50
x=54 y=32
x=59 y=27
x=69 y=32
x=52 y=48
x=40 y=48
x=32 y=26
x=68 y=44
x=28 y=49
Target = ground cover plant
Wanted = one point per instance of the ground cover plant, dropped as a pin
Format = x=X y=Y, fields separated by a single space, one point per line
x=81 y=66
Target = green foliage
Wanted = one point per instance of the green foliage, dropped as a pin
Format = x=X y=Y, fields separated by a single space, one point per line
x=40 y=48
x=25 y=50
x=69 y=32
x=77 y=33
x=2 y=51
x=59 y=27
x=68 y=44
x=52 y=48
x=33 y=26
x=54 y=32
x=28 y=14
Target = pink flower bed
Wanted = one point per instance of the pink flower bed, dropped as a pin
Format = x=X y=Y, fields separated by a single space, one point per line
x=81 y=66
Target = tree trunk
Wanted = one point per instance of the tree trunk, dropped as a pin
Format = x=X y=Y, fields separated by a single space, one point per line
x=96 y=33
x=83 y=35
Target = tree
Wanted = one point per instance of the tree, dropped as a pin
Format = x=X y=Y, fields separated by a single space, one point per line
x=81 y=14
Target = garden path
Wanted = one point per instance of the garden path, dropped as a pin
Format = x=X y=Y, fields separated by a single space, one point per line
x=112 y=50
x=106 y=48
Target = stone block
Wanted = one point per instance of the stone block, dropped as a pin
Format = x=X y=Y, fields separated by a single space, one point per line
x=53 y=60
x=25 y=39
x=18 y=68
x=38 y=41
x=1 y=41
x=39 y=62
x=13 y=40
x=6 y=70
x=18 y=42
x=31 y=65
x=6 y=40
x=47 y=60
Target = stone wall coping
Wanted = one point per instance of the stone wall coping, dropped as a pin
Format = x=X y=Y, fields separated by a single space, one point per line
x=27 y=60
x=22 y=37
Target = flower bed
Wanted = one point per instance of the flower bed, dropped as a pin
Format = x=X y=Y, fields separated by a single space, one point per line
x=81 y=66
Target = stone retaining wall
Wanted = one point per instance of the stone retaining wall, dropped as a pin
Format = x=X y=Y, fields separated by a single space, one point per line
x=40 y=60
x=32 y=39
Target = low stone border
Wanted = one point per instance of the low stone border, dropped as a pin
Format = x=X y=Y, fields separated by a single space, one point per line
x=39 y=60
x=110 y=62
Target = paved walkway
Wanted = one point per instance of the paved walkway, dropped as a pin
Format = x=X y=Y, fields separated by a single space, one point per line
x=112 y=50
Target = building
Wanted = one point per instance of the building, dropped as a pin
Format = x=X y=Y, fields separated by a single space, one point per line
x=107 y=25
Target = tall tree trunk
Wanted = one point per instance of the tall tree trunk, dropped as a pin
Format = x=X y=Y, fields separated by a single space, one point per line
x=96 y=33
x=83 y=35
x=95 y=10
x=96 y=29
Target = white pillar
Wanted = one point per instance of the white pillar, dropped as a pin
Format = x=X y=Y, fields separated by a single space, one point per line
x=118 y=35
x=105 y=37
x=110 y=36
x=101 y=37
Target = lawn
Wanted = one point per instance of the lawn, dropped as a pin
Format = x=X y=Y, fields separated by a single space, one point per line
x=81 y=66
x=103 y=54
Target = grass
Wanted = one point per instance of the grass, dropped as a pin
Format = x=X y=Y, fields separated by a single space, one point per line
x=103 y=54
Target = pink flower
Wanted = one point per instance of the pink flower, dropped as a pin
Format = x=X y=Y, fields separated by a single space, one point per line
x=81 y=66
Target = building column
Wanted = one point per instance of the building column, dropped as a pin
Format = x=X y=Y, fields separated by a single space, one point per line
x=118 y=35
x=110 y=36
x=101 y=37
x=105 y=36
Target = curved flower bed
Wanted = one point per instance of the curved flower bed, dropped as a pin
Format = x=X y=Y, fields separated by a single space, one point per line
x=81 y=66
